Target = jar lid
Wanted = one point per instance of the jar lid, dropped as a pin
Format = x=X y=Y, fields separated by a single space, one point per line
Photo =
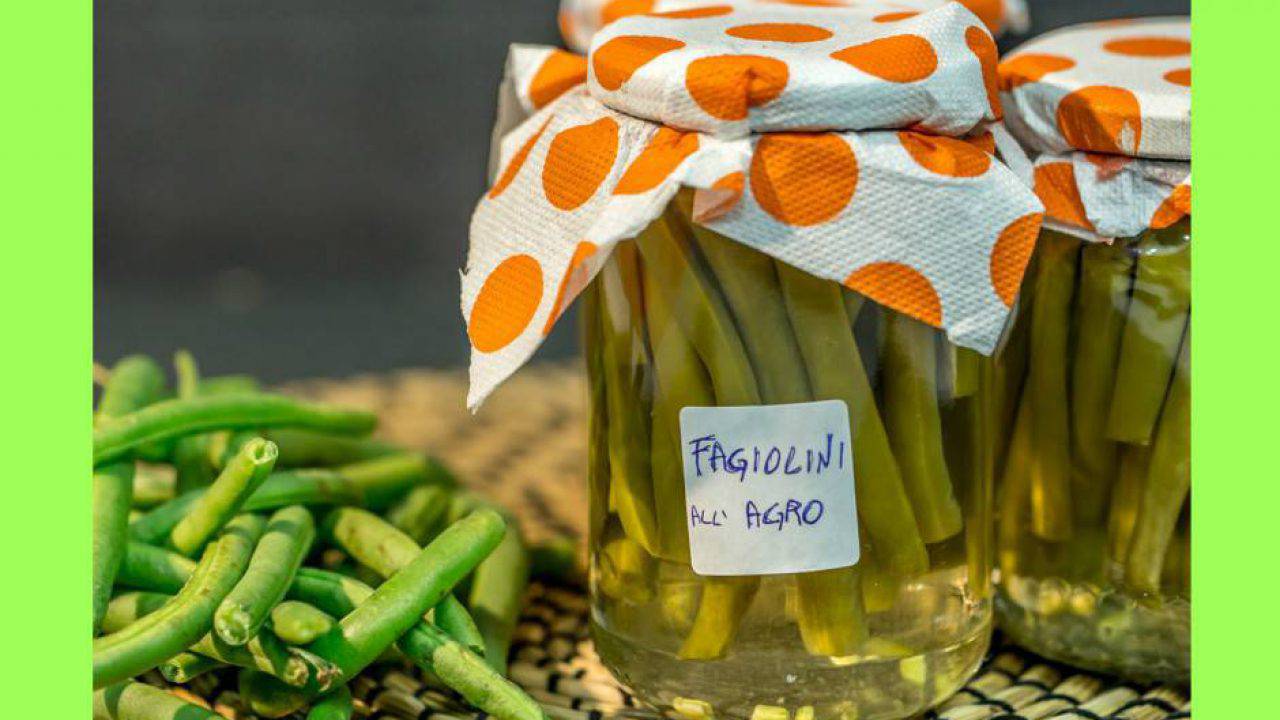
x=1102 y=197
x=580 y=20
x=930 y=226
x=768 y=68
x=1117 y=87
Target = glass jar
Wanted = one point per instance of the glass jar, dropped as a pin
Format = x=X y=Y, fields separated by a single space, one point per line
x=1094 y=507
x=684 y=317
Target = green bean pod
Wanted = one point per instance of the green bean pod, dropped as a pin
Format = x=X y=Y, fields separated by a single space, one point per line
x=384 y=480
x=136 y=382
x=496 y=594
x=309 y=448
x=1158 y=310
x=598 y=470
x=625 y=572
x=1167 y=485
x=723 y=602
x=298 y=623
x=421 y=512
x=138 y=701
x=909 y=372
x=334 y=705
x=126 y=608
x=1051 y=512
x=187 y=617
x=1126 y=500
x=148 y=567
x=170 y=419
x=224 y=498
x=187 y=666
x=275 y=561
x=267 y=652
x=830 y=611
x=112 y=492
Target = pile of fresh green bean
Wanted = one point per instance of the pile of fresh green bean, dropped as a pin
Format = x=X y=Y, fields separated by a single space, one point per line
x=684 y=317
x=1094 y=535
x=288 y=547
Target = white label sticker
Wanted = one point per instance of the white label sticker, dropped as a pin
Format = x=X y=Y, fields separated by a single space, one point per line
x=769 y=488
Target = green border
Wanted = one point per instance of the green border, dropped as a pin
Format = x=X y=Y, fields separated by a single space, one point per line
x=46 y=217
x=1236 y=430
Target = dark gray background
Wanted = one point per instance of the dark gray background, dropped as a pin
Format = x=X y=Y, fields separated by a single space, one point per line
x=285 y=187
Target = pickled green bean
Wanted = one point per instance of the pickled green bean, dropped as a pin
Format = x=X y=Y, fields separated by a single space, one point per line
x=1051 y=513
x=1102 y=303
x=1167 y=485
x=169 y=419
x=178 y=624
x=908 y=369
x=224 y=498
x=598 y=470
x=1126 y=500
x=830 y=612
x=276 y=559
x=625 y=571
x=1158 y=312
x=723 y=602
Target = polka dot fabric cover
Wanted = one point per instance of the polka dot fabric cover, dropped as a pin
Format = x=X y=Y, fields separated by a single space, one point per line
x=1118 y=87
x=580 y=20
x=1102 y=197
x=931 y=226
x=763 y=68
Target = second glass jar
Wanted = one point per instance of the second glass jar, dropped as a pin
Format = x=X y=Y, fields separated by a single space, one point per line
x=682 y=316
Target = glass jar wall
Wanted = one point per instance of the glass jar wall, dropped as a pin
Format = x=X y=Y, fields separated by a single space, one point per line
x=684 y=317
x=1094 y=498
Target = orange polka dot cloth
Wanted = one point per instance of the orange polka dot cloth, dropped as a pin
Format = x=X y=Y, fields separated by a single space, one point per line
x=580 y=20
x=927 y=224
x=1108 y=107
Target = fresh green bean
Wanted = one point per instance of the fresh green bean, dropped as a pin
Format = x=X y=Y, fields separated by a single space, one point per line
x=266 y=652
x=298 y=623
x=1101 y=306
x=138 y=701
x=171 y=419
x=454 y=620
x=384 y=480
x=496 y=594
x=136 y=382
x=1051 y=515
x=421 y=511
x=378 y=545
x=154 y=527
x=224 y=498
x=308 y=448
x=908 y=369
x=1158 y=312
x=153 y=485
x=187 y=666
x=304 y=487
x=1167 y=484
x=836 y=371
x=625 y=366
x=112 y=491
x=148 y=567
x=334 y=705
x=280 y=552
x=190 y=457
x=178 y=624
x=126 y=608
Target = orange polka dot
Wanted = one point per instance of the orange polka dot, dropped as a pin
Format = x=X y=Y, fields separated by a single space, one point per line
x=990 y=12
x=895 y=16
x=1101 y=118
x=574 y=280
x=1181 y=77
x=724 y=195
x=1174 y=208
x=900 y=287
x=897 y=58
x=1030 y=67
x=984 y=48
x=616 y=9
x=725 y=86
x=517 y=162
x=944 y=155
x=803 y=178
x=506 y=303
x=780 y=32
x=1010 y=255
x=660 y=157
x=559 y=72
x=984 y=141
x=695 y=13
x=1149 y=46
x=1055 y=185
x=617 y=60
x=813 y=3
x=578 y=161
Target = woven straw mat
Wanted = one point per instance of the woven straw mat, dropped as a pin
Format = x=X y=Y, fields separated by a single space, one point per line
x=525 y=449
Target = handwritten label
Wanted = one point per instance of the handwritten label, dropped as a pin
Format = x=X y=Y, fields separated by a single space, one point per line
x=769 y=488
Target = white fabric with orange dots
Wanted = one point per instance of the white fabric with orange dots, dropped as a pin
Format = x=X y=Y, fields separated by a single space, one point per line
x=1118 y=87
x=765 y=68
x=929 y=225
x=1109 y=106
x=580 y=20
